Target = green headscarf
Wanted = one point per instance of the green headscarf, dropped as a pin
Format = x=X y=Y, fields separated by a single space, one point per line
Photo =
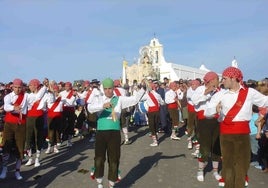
x=108 y=83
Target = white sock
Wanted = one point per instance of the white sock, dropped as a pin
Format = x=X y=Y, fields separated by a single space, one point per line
x=202 y=165
x=215 y=164
x=99 y=180
x=29 y=152
x=38 y=153
x=111 y=183
x=125 y=131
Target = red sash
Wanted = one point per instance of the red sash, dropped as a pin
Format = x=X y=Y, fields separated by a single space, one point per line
x=88 y=95
x=70 y=94
x=34 y=112
x=173 y=105
x=190 y=107
x=19 y=99
x=117 y=92
x=227 y=126
x=56 y=103
x=154 y=108
x=200 y=114
x=51 y=112
x=237 y=106
x=16 y=118
x=35 y=105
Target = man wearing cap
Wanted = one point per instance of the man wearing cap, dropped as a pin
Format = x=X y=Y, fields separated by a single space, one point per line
x=15 y=105
x=207 y=127
x=69 y=95
x=35 y=120
x=234 y=104
x=108 y=136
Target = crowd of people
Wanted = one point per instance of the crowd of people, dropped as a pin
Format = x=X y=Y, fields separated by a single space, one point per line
x=225 y=121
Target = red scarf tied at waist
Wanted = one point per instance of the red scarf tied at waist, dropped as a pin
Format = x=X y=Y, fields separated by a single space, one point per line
x=34 y=112
x=228 y=126
x=16 y=118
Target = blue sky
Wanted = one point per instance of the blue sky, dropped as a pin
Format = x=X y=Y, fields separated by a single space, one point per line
x=67 y=40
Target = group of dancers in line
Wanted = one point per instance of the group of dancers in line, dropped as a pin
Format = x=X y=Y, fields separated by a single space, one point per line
x=216 y=115
x=28 y=108
x=219 y=112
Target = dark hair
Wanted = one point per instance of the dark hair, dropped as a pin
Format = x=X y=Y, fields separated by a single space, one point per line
x=199 y=80
x=255 y=109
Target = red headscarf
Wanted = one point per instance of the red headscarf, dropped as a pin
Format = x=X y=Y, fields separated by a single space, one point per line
x=233 y=72
x=17 y=82
x=68 y=84
x=86 y=83
x=34 y=82
x=210 y=76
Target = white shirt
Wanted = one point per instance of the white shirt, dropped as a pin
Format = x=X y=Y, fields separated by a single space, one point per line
x=96 y=93
x=189 y=95
x=11 y=98
x=150 y=102
x=121 y=90
x=83 y=95
x=228 y=98
x=170 y=95
x=33 y=97
x=179 y=94
x=50 y=100
x=97 y=101
x=199 y=99
x=71 y=102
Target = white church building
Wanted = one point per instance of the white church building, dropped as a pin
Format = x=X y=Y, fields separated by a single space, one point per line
x=151 y=64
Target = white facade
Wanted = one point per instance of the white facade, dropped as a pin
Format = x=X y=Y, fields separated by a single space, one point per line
x=152 y=64
x=176 y=71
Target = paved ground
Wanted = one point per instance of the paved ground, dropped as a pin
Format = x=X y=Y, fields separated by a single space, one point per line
x=170 y=165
